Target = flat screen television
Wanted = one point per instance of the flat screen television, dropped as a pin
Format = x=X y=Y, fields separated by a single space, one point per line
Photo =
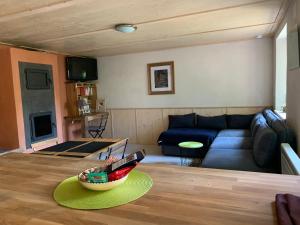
x=81 y=69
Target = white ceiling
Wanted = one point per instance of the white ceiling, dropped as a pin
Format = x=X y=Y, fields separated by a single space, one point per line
x=85 y=27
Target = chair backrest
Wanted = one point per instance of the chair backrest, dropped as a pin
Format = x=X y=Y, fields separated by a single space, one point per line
x=99 y=120
x=118 y=147
x=103 y=120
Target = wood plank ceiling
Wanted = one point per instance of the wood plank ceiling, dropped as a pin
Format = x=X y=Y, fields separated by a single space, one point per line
x=85 y=27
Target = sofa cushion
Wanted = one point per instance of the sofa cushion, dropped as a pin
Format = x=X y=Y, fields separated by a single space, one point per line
x=256 y=122
x=285 y=134
x=182 y=121
x=211 y=122
x=234 y=133
x=175 y=136
x=270 y=116
x=232 y=143
x=265 y=146
x=239 y=121
x=231 y=159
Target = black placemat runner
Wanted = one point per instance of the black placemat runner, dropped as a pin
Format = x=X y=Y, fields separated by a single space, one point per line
x=72 y=156
x=91 y=147
x=63 y=146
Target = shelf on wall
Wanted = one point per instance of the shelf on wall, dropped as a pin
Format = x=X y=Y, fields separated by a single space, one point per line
x=77 y=92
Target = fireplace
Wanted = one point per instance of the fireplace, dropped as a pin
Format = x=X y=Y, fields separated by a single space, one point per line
x=38 y=102
x=41 y=126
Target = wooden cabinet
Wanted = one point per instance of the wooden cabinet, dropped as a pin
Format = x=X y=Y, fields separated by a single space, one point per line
x=81 y=98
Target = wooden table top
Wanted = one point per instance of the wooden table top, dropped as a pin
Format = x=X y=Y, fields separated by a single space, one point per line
x=179 y=196
x=81 y=117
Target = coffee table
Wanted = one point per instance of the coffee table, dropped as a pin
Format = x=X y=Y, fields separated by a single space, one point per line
x=183 y=146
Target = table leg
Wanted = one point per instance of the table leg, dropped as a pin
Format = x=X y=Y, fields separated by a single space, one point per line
x=84 y=125
x=181 y=156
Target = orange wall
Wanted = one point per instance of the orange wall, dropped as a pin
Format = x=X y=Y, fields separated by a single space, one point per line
x=61 y=62
x=8 y=124
x=12 y=133
x=71 y=131
x=20 y=55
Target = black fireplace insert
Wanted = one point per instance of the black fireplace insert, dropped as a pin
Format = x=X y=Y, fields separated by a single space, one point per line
x=42 y=125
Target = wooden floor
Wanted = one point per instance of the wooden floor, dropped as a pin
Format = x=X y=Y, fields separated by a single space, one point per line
x=180 y=195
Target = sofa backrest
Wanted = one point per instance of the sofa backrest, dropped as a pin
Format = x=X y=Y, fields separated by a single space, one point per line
x=220 y=122
x=269 y=131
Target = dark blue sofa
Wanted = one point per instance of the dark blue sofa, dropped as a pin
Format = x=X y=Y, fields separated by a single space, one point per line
x=243 y=142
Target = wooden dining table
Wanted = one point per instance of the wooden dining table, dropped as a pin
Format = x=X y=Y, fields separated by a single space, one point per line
x=179 y=196
x=88 y=155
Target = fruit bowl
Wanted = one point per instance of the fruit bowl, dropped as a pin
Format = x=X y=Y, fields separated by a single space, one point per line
x=101 y=186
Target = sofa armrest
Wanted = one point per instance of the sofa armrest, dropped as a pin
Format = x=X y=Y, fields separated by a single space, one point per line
x=290 y=162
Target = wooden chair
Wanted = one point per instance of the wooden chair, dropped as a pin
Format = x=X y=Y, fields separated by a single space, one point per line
x=97 y=130
x=117 y=148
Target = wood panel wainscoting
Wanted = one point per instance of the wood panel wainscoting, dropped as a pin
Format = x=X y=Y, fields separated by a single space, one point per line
x=143 y=125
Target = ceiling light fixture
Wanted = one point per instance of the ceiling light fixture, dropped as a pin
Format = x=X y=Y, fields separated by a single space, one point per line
x=259 y=36
x=125 y=28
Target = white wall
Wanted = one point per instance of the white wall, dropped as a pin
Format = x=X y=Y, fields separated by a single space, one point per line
x=220 y=75
x=281 y=70
x=293 y=76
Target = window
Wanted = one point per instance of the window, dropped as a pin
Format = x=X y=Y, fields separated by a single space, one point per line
x=281 y=72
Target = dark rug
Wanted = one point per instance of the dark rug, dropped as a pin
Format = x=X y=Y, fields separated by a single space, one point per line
x=91 y=147
x=63 y=146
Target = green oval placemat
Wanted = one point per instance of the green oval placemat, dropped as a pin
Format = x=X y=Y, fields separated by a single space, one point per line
x=71 y=194
x=190 y=144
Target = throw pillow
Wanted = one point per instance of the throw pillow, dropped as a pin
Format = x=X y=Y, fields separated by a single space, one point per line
x=256 y=122
x=211 y=122
x=239 y=121
x=265 y=145
x=182 y=121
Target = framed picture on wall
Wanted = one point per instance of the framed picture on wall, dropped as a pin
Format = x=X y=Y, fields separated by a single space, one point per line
x=161 y=78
